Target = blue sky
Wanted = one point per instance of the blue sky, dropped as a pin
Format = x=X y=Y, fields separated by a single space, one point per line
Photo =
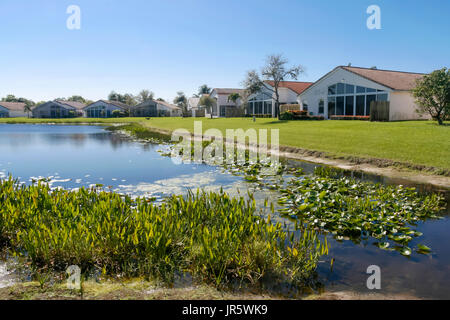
x=172 y=45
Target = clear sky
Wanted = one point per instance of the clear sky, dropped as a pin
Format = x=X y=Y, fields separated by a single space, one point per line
x=171 y=45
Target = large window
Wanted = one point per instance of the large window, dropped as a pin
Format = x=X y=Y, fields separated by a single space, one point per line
x=340 y=106
x=97 y=112
x=350 y=100
x=349 y=105
x=360 y=104
x=331 y=106
x=369 y=100
x=260 y=104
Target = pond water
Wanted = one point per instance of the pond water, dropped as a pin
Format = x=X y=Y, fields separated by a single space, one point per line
x=76 y=156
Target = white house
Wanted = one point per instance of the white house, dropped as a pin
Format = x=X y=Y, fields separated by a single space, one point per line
x=193 y=106
x=349 y=90
x=105 y=109
x=224 y=107
x=263 y=102
x=12 y=109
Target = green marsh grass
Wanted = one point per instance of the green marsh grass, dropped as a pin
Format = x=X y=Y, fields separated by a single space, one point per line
x=215 y=238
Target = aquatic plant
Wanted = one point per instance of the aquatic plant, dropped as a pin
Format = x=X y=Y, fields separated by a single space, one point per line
x=213 y=237
x=358 y=211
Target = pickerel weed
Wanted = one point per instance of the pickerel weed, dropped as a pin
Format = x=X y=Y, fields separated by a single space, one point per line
x=213 y=237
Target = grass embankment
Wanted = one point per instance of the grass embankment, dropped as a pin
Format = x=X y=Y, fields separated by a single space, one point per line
x=418 y=143
x=214 y=238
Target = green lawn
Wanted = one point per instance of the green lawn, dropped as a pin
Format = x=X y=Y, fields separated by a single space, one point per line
x=417 y=142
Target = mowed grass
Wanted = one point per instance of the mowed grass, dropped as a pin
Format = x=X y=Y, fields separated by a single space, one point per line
x=415 y=142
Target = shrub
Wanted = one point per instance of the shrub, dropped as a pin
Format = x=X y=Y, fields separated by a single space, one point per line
x=299 y=115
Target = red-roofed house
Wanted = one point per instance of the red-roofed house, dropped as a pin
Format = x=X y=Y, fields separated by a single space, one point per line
x=263 y=102
x=350 y=90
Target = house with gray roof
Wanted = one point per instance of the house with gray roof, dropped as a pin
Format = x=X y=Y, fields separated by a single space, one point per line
x=59 y=109
x=106 y=109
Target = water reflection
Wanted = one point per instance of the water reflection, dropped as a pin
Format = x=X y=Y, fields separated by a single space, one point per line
x=83 y=156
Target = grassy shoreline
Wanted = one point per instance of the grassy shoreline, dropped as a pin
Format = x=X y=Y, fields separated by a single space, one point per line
x=420 y=146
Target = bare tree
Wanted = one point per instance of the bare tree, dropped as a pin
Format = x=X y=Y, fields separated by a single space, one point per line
x=277 y=71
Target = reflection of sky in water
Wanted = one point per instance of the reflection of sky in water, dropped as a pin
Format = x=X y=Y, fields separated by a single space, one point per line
x=77 y=156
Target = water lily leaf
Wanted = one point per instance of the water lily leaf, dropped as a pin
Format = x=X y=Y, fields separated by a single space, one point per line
x=406 y=251
x=423 y=248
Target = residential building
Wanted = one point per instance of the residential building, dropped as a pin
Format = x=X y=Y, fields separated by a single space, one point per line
x=12 y=109
x=156 y=108
x=106 y=109
x=193 y=106
x=224 y=107
x=166 y=109
x=263 y=102
x=59 y=109
x=350 y=90
x=147 y=108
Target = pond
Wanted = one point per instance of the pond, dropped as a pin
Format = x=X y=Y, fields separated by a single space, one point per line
x=77 y=156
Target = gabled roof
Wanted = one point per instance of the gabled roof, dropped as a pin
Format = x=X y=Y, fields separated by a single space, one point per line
x=396 y=80
x=58 y=103
x=73 y=104
x=169 y=105
x=13 y=106
x=193 y=102
x=114 y=103
x=296 y=86
x=228 y=90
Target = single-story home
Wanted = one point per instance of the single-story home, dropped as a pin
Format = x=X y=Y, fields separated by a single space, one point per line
x=105 y=109
x=263 y=102
x=166 y=109
x=349 y=91
x=59 y=109
x=12 y=109
x=193 y=106
x=225 y=107
x=147 y=108
x=155 y=108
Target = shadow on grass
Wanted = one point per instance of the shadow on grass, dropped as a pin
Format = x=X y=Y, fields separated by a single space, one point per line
x=276 y=122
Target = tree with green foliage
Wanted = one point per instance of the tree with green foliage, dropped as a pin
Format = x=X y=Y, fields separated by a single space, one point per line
x=234 y=97
x=77 y=99
x=126 y=98
x=208 y=103
x=181 y=101
x=13 y=98
x=432 y=94
x=204 y=89
x=145 y=95
x=27 y=109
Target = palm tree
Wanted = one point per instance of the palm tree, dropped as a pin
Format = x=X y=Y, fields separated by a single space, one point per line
x=27 y=109
x=234 y=97
x=181 y=101
x=208 y=103
x=204 y=89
